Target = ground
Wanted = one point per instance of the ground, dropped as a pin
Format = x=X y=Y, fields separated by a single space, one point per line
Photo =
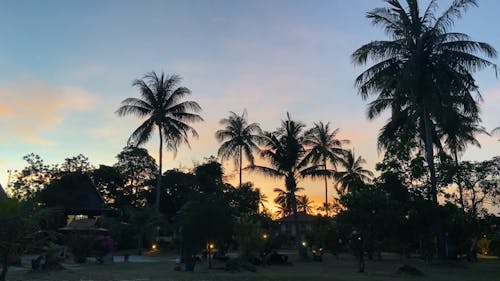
x=332 y=269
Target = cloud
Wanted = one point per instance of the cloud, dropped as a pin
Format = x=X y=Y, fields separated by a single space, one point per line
x=27 y=109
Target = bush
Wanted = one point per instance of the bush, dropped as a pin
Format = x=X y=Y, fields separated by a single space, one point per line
x=494 y=248
x=81 y=246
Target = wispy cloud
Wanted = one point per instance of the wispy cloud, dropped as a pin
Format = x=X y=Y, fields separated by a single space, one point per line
x=27 y=109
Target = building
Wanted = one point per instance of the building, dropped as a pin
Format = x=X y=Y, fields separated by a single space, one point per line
x=287 y=224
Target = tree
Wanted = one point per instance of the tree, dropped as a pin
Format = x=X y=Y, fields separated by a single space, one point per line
x=33 y=178
x=21 y=230
x=423 y=72
x=304 y=204
x=354 y=177
x=457 y=132
x=324 y=148
x=284 y=149
x=284 y=200
x=163 y=107
x=76 y=164
x=138 y=169
x=496 y=131
x=238 y=138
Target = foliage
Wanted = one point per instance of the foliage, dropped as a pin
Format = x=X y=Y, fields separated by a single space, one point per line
x=354 y=176
x=23 y=228
x=249 y=237
x=163 y=106
x=81 y=246
x=423 y=75
x=32 y=178
x=138 y=170
x=238 y=138
x=325 y=149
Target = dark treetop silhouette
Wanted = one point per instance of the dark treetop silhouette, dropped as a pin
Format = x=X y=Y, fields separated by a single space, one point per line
x=238 y=138
x=423 y=71
x=162 y=103
x=324 y=148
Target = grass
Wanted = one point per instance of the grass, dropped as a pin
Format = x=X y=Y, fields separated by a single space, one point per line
x=331 y=269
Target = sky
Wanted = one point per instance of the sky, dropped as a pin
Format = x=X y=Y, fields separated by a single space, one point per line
x=65 y=66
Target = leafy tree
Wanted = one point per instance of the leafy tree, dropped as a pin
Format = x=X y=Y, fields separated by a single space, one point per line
x=324 y=148
x=76 y=164
x=285 y=151
x=245 y=199
x=458 y=131
x=22 y=229
x=238 y=138
x=110 y=184
x=142 y=221
x=423 y=72
x=162 y=105
x=354 y=175
x=33 y=177
x=138 y=169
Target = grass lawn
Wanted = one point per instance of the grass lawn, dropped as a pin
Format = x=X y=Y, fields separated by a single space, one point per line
x=331 y=268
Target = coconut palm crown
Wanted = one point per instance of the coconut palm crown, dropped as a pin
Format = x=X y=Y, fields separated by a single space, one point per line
x=323 y=147
x=238 y=138
x=162 y=105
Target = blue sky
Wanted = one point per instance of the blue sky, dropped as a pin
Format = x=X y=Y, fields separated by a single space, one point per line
x=66 y=65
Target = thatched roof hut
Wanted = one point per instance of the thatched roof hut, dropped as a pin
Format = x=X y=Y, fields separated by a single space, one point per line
x=76 y=194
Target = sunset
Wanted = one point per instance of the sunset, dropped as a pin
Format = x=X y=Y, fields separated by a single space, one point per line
x=69 y=69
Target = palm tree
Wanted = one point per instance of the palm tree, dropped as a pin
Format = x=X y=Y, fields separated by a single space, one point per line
x=161 y=104
x=238 y=138
x=496 y=131
x=284 y=200
x=456 y=133
x=324 y=148
x=284 y=149
x=422 y=72
x=354 y=175
x=304 y=204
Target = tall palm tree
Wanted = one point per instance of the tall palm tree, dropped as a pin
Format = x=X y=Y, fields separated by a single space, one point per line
x=324 y=148
x=238 y=138
x=423 y=71
x=354 y=175
x=163 y=107
x=457 y=132
x=284 y=149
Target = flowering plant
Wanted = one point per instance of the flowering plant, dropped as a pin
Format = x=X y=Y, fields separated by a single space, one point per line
x=104 y=243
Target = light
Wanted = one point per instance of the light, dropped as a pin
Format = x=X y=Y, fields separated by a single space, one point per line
x=264 y=236
x=154 y=247
x=304 y=243
x=211 y=246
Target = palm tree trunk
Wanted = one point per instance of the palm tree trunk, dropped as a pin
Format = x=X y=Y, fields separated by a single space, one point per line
x=241 y=160
x=5 y=266
x=429 y=154
x=291 y=185
x=326 y=190
x=158 y=180
x=460 y=188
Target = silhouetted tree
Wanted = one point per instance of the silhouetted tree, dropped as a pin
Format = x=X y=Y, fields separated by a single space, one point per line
x=422 y=72
x=162 y=105
x=238 y=138
x=354 y=175
x=324 y=148
x=284 y=149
